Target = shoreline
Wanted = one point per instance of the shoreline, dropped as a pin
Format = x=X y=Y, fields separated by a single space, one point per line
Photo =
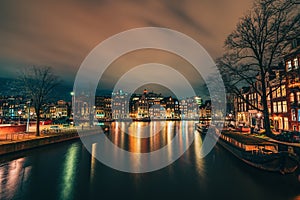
x=15 y=146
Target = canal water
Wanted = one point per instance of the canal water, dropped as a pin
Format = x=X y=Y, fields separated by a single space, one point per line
x=68 y=171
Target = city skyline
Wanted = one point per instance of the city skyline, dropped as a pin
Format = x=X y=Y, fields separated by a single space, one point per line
x=120 y=106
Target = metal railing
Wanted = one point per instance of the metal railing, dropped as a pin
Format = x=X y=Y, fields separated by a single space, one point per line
x=16 y=136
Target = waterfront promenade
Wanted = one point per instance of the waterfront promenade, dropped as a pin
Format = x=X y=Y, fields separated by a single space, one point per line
x=17 y=137
x=7 y=138
x=14 y=142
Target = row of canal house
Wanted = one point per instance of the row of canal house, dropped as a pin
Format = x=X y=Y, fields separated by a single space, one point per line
x=284 y=99
x=147 y=105
x=17 y=108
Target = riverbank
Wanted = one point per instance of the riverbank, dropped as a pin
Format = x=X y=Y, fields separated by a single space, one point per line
x=25 y=141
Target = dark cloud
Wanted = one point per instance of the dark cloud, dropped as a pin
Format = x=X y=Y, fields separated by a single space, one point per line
x=61 y=33
x=181 y=15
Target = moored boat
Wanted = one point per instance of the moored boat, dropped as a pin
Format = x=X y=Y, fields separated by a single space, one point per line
x=256 y=152
x=202 y=128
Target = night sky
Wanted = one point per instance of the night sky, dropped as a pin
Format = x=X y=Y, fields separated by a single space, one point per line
x=61 y=33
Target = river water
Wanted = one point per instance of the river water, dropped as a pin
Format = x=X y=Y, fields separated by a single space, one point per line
x=68 y=171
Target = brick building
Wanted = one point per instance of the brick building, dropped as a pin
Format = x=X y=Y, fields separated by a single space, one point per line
x=283 y=85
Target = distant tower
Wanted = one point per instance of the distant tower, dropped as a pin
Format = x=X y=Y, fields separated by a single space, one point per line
x=145 y=91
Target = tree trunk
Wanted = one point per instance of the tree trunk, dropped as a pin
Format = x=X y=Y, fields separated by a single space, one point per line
x=267 y=124
x=37 y=123
x=264 y=102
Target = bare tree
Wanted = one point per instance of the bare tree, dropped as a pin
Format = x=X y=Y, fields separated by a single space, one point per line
x=38 y=83
x=258 y=43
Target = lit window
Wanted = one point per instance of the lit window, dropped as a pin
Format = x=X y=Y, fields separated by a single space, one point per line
x=298 y=97
x=279 y=107
x=289 y=65
x=284 y=106
x=293 y=113
x=275 y=107
x=286 y=123
x=296 y=64
x=292 y=97
x=274 y=94
x=283 y=90
x=278 y=92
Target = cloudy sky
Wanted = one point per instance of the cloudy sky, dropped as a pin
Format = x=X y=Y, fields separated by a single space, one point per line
x=61 y=33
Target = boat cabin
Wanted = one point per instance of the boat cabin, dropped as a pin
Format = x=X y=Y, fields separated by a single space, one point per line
x=249 y=143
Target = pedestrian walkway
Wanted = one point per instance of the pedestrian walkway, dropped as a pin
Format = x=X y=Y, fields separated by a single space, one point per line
x=20 y=136
x=25 y=136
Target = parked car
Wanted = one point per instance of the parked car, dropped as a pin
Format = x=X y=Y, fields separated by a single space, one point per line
x=46 y=122
x=66 y=126
x=55 y=128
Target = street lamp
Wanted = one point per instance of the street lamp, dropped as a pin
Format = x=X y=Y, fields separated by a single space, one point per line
x=259 y=115
x=73 y=101
x=19 y=112
x=28 y=116
x=259 y=120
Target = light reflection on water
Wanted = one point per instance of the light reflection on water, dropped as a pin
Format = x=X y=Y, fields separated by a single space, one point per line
x=93 y=162
x=12 y=176
x=161 y=136
x=67 y=171
x=200 y=163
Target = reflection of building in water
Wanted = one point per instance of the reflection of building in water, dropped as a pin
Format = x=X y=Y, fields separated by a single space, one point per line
x=12 y=176
x=93 y=162
x=199 y=161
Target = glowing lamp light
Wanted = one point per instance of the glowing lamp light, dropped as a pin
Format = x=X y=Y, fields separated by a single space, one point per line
x=258 y=115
